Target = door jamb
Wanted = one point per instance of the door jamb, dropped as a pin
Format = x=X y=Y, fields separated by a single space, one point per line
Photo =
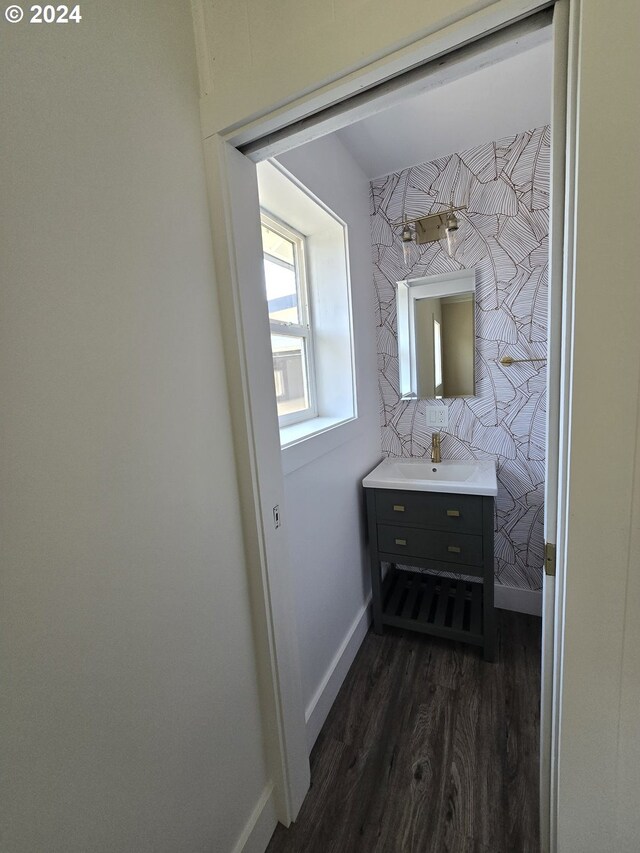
x=560 y=317
x=570 y=10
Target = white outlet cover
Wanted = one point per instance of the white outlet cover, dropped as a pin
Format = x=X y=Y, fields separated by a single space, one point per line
x=437 y=417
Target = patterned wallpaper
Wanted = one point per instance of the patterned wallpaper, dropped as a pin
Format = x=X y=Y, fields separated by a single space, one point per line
x=506 y=187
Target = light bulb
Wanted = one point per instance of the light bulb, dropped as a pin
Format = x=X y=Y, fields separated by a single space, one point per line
x=407 y=240
x=452 y=231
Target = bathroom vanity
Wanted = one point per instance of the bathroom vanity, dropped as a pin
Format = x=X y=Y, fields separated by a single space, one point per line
x=439 y=518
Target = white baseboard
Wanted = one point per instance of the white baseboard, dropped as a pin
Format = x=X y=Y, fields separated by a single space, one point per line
x=324 y=697
x=258 y=830
x=520 y=600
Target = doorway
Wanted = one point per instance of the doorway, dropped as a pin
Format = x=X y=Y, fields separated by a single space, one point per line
x=265 y=509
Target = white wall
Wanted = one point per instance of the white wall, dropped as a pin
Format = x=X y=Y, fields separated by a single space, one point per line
x=324 y=507
x=130 y=713
x=255 y=56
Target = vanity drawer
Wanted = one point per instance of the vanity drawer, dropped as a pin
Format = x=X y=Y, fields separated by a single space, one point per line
x=430 y=544
x=436 y=511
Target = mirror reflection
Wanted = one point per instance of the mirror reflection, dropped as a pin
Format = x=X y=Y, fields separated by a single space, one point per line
x=436 y=335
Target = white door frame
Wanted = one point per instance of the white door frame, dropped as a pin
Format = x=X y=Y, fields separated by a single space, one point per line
x=274 y=625
x=558 y=399
x=235 y=214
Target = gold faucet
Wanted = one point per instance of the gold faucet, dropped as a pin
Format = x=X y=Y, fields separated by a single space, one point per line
x=435 y=447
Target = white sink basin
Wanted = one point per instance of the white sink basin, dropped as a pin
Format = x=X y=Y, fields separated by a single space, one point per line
x=421 y=475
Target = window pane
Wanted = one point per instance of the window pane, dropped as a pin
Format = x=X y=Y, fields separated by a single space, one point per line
x=282 y=291
x=290 y=373
x=278 y=246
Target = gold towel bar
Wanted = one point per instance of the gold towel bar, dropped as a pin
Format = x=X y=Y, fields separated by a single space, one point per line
x=507 y=360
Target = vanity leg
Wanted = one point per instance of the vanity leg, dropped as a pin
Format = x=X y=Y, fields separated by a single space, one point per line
x=374 y=562
x=488 y=614
x=376 y=595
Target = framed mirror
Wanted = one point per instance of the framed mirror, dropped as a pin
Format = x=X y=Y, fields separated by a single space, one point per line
x=436 y=335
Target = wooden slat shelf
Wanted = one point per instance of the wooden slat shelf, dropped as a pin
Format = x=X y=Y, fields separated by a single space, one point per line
x=443 y=607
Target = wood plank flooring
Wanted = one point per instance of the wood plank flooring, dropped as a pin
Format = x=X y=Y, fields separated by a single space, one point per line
x=428 y=749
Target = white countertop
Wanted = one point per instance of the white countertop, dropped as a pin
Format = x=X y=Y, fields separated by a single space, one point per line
x=475 y=477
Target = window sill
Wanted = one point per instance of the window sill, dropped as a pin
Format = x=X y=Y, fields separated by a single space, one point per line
x=302 y=443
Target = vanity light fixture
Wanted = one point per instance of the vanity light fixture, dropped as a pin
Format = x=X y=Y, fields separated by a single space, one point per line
x=429 y=228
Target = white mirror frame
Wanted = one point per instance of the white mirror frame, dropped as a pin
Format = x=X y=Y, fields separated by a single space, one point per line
x=407 y=292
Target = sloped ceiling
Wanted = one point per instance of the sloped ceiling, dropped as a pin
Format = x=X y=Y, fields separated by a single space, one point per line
x=505 y=98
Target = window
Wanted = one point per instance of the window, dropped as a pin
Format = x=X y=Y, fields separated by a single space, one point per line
x=309 y=307
x=289 y=317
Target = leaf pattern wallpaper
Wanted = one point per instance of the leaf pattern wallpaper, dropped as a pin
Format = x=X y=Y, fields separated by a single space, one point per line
x=505 y=185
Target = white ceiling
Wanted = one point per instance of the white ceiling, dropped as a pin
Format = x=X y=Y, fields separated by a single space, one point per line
x=505 y=98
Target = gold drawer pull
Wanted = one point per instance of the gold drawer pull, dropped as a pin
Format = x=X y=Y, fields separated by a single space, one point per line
x=454 y=513
x=454 y=549
x=398 y=508
x=403 y=542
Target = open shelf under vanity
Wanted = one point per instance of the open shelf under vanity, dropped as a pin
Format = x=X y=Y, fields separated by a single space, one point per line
x=444 y=607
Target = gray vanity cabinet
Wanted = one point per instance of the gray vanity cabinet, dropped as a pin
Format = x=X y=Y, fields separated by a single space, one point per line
x=440 y=533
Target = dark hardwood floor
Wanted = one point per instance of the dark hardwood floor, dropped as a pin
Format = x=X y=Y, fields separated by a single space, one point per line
x=428 y=749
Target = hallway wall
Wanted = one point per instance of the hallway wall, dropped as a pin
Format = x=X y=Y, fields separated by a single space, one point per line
x=254 y=54
x=130 y=718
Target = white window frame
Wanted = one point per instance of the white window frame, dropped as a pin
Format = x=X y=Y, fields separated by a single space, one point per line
x=304 y=329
